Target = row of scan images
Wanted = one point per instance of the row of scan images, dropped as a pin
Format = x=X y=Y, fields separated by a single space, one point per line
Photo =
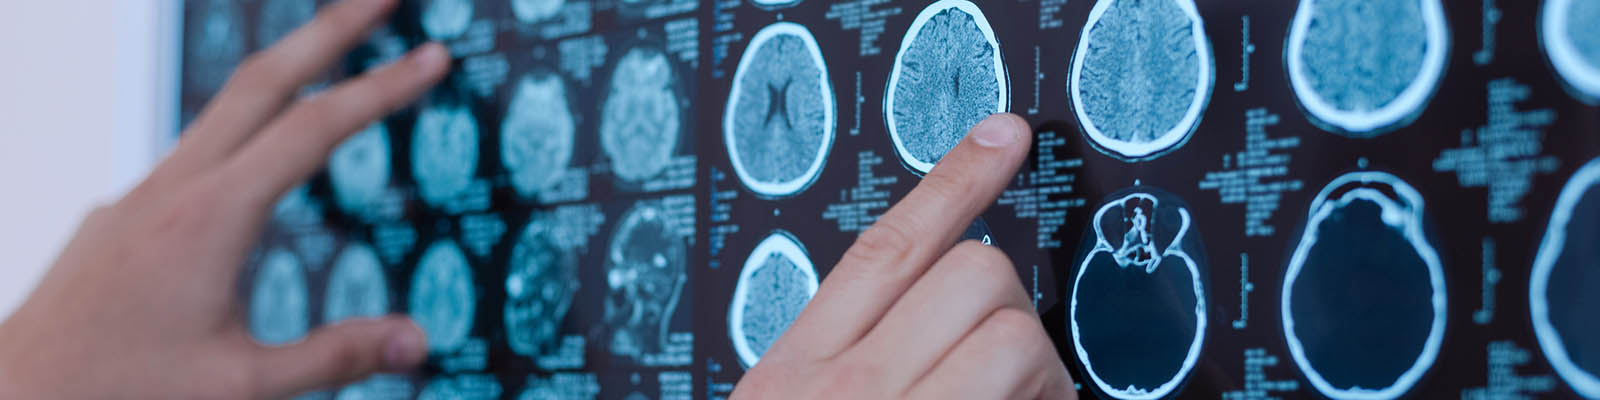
x=646 y=267
x=1142 y=257
x=1140 y=79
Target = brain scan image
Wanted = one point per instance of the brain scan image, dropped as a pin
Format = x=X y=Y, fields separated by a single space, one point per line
x=779 y=122
x=557 y=388
x=213 y=43
x=444 y=152
x=279 y=17
x=532 y=11
x=946 y=77
x=540 y=285
x=443 y=298
x=358 y=170
x=1570 y=31
x=777 y=282
x=446 y=19
x=640 y=119
x=379 y=387
x=646 y=267
x=279 y=301
x=771 y=4
x=356 y=287
x=1362 y=66
x=1138 y=305
x=536 y=137
x=1561 y=291
x=1141 y=76
x=1364 y=235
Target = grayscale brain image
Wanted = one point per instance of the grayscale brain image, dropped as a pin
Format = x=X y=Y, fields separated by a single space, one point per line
x=446 y=19
x=1364 y=235
x=461 y=387
x=1562 y=291
x=1571 y=34
x=279 y=17
x=540 y=286
x=280 y=302
x=641 y=118
x=1138 y=308
x=358 y=170
x=379 y=387
x=779 y=124
x=214 y=37
x=357 y=287
x=1141 y=76
x=646 y=267
x=777 y=282
x=947 y=76
x=443 y=298
x=1360 y=66
x=444 y=153
x=531 y=11
x=536 y=138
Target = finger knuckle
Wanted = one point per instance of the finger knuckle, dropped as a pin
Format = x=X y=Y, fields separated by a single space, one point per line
x=883 y=242
x=258 y=71
x=1015 y=327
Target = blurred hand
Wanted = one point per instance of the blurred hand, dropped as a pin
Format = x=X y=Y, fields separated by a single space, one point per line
x=142 y=302
x=908 y=313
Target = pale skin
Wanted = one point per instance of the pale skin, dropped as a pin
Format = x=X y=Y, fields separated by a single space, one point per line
x=141 y=302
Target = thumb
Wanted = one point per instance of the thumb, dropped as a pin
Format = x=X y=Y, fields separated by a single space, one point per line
x=339 y=354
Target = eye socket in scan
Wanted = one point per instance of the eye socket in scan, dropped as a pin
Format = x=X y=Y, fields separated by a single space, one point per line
x=947 y=76
x=1138 y=305
x=1363 y=67
x=541 y=280
x=1364 y=233
x=777 y=281
x=646 y=267
x=779 y=124
x=1561 y=294
x=1141 y=76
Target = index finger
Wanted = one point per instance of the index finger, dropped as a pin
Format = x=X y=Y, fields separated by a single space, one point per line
x=896 y=250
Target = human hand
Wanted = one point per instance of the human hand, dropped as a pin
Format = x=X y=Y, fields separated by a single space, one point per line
x=908 y=313
x=142 y=302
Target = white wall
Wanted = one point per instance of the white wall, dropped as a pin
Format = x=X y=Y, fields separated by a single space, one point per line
x=83 y=96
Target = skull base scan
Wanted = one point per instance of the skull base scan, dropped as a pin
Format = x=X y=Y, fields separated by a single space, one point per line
x=1141 y=76
x=443 y=299
x=947 y=76
x=646 y=267
x=539 y=290
x=1561 y=294
x=1364 y=235
x=640 y=118
x=779 y=124
x=1360 y=67
x=1138 y=306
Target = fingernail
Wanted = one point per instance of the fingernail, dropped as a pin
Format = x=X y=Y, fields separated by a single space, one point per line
x=405 y=348
x=430 y=55
x=999 y=130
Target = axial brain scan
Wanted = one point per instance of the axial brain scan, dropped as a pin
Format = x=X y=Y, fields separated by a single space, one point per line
x=1562 y=291
x=531 y=11
x=639 y=121
x=536 y=137
x=357 y=287
x=1361 y=66
x=444 y=153
x=215 y=39
x=946 y=77
x=358 y=170
x=1138 y=308
x=646 y=267
x=279 y=17
x=1570 y=31
x=779 y=122
x=540 y=286
x=777 y=282
x=280 y=302
x=1141 y=76
x=443 y=298
x=1364 y=235
x=446 y=19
